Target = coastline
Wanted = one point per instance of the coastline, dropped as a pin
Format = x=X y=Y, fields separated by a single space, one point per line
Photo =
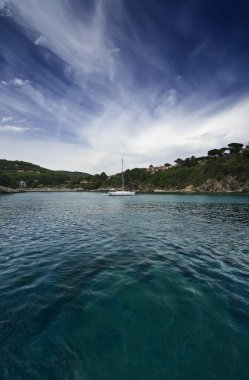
x=188 y=190
x=52 y=190
x=147 y=191
x=9 y=190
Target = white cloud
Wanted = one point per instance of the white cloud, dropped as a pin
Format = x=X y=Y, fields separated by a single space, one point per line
x=13 y=129
x=143 y=140
x=40 y=40
x=165 y=102
x=24 y=98
x=5 y=119
x=3 y=3
x=125 y=127
x=18 y=82
x=80 y=44
x=4 y=10
x=152 y=125
x=152 y=141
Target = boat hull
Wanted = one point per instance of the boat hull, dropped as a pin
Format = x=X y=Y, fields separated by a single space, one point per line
x=121 y=193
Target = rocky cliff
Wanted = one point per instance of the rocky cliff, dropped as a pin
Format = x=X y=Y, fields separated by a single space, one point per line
x=229 y=184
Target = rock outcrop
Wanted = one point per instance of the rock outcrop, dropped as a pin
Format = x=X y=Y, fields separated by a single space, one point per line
x=7 y=190
x=227 y=185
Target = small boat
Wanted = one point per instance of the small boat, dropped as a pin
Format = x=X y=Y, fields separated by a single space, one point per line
x=121 y=192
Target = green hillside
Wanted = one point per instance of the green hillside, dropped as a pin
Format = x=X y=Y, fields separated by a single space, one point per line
x=13 y=172
x=226 y=168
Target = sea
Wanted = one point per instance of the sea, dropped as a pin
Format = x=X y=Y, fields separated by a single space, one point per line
x=154 y=286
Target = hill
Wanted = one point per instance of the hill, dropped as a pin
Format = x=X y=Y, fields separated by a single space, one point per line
x=224 y=169
x=221 y=170
x=14 y=174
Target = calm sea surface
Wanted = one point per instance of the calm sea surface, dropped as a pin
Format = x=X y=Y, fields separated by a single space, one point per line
x=145 y=287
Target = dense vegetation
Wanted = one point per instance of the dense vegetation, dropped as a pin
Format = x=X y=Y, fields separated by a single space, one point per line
x=218 y=164
x=232 y=161
x=13 y=172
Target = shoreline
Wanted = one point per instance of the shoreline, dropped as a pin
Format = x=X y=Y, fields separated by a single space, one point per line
x=157 y=192
x=8 y=190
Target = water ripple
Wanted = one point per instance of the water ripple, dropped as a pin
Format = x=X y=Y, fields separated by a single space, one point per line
x=150 y=287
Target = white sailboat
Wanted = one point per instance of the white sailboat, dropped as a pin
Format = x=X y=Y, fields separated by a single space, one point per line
x=121 y=192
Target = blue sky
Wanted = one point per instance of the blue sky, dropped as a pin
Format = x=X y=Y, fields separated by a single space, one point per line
x=86 y=82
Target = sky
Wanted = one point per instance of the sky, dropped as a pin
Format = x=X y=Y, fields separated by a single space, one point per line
x=84 y=83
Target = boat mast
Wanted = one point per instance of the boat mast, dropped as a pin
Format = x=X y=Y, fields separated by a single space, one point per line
x=122 y=174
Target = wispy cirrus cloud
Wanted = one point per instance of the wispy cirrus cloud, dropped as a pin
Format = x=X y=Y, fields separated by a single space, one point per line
x=91 y=83
x=80 y=44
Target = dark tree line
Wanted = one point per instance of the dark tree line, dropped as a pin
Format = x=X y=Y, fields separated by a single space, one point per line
x=232 y=148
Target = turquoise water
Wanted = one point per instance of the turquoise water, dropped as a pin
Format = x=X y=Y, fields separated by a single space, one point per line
x=145 y=287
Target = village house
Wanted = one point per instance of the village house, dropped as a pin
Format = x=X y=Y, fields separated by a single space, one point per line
x=85 y=181
x=160 y=168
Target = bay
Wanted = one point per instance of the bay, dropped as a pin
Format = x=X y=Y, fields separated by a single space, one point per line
x=154 y=286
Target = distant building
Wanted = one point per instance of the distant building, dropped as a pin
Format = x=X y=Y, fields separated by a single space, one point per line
x=85 y=181
x=160 y=168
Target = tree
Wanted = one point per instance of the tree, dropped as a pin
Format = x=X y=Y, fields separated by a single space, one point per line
x=167 y=165
x=179 y=161
x=213 y=152
x=201 y=158
x=6 y=180
x=103 y=176
x=221 y=152
x=189 y=161
x=245 y=152
x=235 y=147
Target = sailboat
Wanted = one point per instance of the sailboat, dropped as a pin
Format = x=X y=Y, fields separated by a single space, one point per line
x=121 y=192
